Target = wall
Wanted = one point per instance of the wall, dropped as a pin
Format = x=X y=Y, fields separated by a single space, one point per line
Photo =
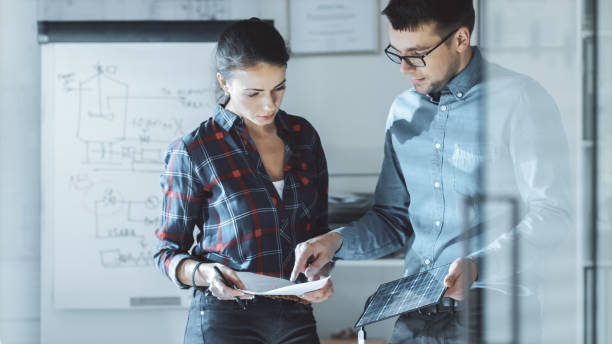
x=19 y=173
x=25 y=293
x=320 y=88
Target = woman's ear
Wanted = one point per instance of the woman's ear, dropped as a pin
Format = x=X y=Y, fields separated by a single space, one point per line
x=222 y=83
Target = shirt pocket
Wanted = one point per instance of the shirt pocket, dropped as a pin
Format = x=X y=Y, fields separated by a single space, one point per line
x=467 y=161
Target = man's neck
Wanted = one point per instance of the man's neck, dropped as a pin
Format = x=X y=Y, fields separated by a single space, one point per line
x=464 y=60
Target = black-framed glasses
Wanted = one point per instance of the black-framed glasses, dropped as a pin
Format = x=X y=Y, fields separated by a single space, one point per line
x=417 y=60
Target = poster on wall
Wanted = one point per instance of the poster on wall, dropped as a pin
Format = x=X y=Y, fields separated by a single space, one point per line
x=333 y=26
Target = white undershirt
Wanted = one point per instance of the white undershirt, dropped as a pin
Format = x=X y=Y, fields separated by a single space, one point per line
x=279 y=185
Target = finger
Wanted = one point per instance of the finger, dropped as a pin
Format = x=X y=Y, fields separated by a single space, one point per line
x=456 y=294
x=302 y=255
x=449 y=281
x=316 y=266
x=233 y=278
x=216 y=289
x=319 y=295
x=454 y=272
x=223 y=292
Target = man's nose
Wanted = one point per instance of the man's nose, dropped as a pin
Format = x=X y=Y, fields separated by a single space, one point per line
x=406 y=68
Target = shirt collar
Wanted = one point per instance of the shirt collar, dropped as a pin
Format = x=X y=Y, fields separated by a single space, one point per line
x=282 y=124
x=227 y=119
x=468 y=77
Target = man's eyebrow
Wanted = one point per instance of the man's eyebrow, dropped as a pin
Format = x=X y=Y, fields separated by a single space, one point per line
x=259 y=89
x=409 y=49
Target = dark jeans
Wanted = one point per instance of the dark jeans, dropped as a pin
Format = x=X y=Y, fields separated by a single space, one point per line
x=450 y=327
x=265 y=321
x=420 y=328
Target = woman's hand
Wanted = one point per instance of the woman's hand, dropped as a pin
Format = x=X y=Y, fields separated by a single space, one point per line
x=216 y=285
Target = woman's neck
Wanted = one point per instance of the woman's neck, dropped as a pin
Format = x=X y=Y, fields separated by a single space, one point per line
x=259 y=131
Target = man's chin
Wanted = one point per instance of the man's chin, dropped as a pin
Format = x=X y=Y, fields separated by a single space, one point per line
x=422 y=89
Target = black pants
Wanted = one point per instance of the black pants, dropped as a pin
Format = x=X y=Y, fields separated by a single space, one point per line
x=264 y=321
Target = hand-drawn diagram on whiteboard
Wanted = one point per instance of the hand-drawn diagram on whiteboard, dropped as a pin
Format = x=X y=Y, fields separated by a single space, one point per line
x=114 y=109
x=117 y=136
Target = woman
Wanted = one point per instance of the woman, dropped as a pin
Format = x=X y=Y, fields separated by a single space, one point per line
x=253 y=180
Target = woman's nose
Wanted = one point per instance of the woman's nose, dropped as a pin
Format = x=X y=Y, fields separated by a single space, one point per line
x=268 y=103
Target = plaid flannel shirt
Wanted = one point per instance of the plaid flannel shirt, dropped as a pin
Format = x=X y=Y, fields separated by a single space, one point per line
x=215 y=180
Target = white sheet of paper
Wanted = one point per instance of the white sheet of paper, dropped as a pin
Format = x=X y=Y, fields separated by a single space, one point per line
x=266 y=285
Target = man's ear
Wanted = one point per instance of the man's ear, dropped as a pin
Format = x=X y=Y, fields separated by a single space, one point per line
x=462 y=39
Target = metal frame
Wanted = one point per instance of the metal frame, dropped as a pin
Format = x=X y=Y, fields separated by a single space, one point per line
x=132 y=31
x=515 y=218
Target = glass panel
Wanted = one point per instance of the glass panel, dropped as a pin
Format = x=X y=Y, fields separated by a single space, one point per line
x=603 y=183
x=530 y=144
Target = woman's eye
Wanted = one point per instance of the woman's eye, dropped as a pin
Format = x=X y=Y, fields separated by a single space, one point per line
x=252 y=94
x=281 y=88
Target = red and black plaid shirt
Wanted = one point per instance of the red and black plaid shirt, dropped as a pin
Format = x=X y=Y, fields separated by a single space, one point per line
x=215 y=180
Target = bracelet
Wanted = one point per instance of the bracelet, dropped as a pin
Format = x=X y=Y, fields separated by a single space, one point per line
x=193 y=283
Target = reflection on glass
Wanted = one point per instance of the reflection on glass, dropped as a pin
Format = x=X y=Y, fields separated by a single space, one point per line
x=530 y=142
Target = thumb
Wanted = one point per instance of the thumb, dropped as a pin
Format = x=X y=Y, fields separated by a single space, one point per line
x=449 y=280
x=453 y=273
x=314 y=267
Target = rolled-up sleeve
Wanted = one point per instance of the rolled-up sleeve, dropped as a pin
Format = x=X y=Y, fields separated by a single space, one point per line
x=539 y=151
x=183 y=199
x=386 y=227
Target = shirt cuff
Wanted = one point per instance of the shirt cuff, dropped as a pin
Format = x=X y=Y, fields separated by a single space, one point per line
x=173 y=270
x=347 y=238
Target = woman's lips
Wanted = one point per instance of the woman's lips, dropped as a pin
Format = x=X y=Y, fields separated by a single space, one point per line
x=266 y=117
x=418 y=81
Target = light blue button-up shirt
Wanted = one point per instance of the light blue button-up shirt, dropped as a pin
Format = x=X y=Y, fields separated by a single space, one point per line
x=499 y=135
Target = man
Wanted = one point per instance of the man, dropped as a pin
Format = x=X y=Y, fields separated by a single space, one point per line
x=436 y=154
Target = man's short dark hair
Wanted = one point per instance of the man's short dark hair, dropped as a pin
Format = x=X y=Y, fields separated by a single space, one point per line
x=409 y=15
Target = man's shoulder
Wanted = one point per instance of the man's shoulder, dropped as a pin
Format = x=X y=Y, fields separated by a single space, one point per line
x=498 y=78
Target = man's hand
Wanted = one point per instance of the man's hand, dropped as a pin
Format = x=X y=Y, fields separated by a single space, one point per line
x=454 y=280
x=319 y=295
x=313 y=254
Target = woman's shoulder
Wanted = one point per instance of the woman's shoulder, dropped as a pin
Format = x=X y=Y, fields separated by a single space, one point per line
x=196 y=137
x=296 y=124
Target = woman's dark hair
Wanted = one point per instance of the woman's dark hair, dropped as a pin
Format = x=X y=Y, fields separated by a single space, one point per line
x=246 y=43
x=409 y=15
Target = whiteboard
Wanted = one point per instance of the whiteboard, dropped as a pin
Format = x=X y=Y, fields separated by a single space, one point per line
x=109 y=112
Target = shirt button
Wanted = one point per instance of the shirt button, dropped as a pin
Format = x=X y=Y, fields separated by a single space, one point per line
x=443 y=107
x=436 y=185
x=438 y=223
x=459 y=94
x=201 y=312
x=427 y=261
x=438 y=146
